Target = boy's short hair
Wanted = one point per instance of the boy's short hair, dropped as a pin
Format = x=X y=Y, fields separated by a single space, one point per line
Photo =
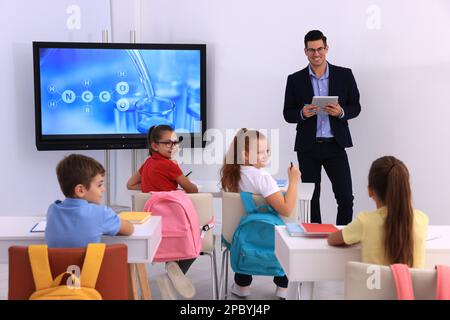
x=77 y=169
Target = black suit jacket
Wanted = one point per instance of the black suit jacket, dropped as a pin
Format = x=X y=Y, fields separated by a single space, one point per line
x=299 y=91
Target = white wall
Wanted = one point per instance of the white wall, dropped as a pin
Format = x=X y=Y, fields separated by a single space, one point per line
x=399 y=54
x=401 y=68
x=29 y=182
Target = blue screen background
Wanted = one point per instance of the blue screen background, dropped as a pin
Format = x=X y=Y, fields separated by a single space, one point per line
x=118 y=91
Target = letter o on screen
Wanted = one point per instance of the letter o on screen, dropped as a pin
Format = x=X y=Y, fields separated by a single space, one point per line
x=122 y=88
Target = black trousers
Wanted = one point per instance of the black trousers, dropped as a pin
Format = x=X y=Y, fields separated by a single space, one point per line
x=244 y=280
x=335 y=162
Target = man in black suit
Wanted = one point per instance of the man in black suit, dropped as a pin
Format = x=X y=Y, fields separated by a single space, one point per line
x=323 y=134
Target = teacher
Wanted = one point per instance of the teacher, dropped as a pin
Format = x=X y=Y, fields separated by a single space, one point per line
x=323 y=135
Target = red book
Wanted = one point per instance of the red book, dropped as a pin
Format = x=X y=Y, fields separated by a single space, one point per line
x=318 y=229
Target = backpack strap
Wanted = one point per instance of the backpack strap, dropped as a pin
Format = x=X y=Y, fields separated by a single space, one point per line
x=403 y=281
x=250 y=206
x=443 y=282
x=249 y=203
x=40 y=266
x=92 y=263
x=226 y=243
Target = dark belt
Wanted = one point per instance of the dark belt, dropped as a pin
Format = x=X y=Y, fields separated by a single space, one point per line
x=325 y=140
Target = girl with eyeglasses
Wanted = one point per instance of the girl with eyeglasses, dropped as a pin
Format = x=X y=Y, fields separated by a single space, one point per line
x=159 y=172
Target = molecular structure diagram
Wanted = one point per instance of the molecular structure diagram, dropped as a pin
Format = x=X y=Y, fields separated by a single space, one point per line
x=87 y=96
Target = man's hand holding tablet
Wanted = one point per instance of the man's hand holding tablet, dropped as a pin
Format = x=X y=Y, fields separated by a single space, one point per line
x=328 y=104
x=333 y=109
x=310 y=110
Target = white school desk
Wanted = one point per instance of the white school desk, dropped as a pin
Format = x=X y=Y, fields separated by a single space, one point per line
x=142 y=245
x=312 y=259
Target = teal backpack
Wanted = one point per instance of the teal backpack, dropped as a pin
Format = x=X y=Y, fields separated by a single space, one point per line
x=253 y=246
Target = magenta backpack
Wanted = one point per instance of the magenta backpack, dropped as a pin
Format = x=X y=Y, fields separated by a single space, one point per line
x=181 y=234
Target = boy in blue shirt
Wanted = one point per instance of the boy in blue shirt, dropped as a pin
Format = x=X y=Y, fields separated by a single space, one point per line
x=81 y=218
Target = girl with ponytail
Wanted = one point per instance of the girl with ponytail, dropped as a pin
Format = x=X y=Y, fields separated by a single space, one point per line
x=395 y=232
x=242 y=171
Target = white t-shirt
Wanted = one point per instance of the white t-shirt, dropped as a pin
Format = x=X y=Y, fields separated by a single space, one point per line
x=257 y=181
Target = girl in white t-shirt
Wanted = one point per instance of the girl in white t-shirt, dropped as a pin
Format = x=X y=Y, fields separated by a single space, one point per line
x=242 y=172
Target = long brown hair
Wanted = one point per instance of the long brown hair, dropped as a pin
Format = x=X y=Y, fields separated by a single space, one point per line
x=389 y=179
x=230 y=174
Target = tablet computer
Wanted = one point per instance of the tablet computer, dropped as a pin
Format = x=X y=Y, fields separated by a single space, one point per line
x=322 y=101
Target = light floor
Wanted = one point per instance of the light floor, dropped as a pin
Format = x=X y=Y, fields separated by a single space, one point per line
x=262 y=287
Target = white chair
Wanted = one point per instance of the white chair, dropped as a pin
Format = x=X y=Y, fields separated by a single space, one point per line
x=203 y=203
x=375 y=282
x=232 y=212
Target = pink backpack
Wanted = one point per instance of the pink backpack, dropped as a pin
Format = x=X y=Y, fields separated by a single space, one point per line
x=404 y=286
x=181 y=236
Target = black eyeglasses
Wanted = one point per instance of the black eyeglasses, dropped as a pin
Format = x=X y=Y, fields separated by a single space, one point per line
x=311 y=51
x=170 y=144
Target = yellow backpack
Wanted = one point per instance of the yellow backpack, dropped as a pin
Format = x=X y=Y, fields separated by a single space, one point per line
x=77 y=288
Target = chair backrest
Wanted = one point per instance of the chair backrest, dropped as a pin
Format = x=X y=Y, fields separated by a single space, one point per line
x=203 y=203
x=112 y=282
x=375 y=282
x=233 y=210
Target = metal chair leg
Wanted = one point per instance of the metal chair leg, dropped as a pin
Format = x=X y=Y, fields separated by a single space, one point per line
x=216 y=280
x=308 y=290
x=222 y=272
x=212 y=266
x=216 y=288
x=299 y=291
x=227 y=258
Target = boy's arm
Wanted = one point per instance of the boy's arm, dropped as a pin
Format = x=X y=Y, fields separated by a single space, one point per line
x=126 y=228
